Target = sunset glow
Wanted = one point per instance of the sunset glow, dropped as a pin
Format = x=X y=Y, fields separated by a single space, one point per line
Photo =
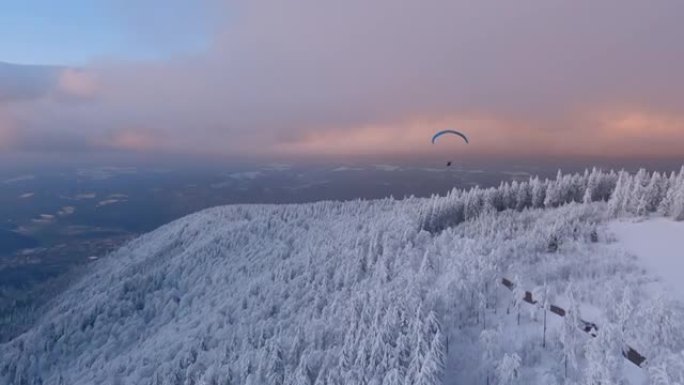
x=622 y=134
x=311 y=80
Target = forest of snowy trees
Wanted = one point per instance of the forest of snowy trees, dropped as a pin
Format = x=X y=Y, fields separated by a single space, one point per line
x=360 y=293
x=638 y=194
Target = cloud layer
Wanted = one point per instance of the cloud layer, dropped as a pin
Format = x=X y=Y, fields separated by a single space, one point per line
x=356 y=77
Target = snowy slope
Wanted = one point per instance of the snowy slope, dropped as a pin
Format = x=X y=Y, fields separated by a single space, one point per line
x=360 y=293
x=224 y=293
x=659 y=245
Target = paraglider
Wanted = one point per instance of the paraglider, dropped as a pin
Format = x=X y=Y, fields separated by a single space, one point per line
x=446 y=132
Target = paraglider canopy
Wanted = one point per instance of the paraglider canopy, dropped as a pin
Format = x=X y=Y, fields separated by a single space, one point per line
x=449 y=132
x=446 y=132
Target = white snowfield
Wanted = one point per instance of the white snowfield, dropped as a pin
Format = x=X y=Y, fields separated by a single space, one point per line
x=382 y=292
x=659 y=245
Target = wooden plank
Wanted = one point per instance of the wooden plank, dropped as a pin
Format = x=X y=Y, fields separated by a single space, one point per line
x=528 y=298
x=507 y=283
x=557 y=310
x=634 y=357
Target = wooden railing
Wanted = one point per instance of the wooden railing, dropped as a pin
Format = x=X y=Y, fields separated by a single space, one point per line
x=588 y=327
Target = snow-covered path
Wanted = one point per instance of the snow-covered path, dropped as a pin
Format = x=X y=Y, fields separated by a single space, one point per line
x=659 y=245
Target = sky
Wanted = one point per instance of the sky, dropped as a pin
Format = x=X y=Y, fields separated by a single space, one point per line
x=77 y=32
x=313 y=79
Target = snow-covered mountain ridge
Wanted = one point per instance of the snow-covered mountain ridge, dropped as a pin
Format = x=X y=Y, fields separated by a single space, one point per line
x=367 y=292
x=231 y=285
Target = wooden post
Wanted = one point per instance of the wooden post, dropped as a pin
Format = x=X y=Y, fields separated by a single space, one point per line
x=544 y=337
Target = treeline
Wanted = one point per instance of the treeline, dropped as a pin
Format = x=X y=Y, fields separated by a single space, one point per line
x=627 y=194
x=645 y=193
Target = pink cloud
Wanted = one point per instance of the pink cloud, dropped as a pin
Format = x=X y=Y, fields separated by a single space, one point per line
x=8 y=131
x=77 y=83
x=359 y=77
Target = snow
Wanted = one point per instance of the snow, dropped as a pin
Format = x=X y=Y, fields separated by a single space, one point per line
x=44 y=219
x=66 y=210
x=249 y=175
x=278 y=167
x=346 y=168
x=432 y=169
x=85 y=196
x=375 y=292
x=108 y=202
x=106 y=172
x=21 y=178
x=387 y=167
x=659 y=245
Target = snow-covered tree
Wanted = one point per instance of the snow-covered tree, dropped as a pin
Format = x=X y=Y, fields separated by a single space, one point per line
x=538 y=192
x=569 y=333
x=433 y=362
x=276 y=366
x=555 y=191
x=491 y=351
x=604 y=357
x=591 y=192
x=661 y=328
x=677 y=198
x=638 y=201
x=542 y=294
x=624 y=311
x=669 y=183
x=523 y=196
x=508 y=369
x=668 y=371
x=653 y=194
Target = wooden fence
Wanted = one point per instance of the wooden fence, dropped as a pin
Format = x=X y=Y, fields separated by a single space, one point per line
x=588 y=327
